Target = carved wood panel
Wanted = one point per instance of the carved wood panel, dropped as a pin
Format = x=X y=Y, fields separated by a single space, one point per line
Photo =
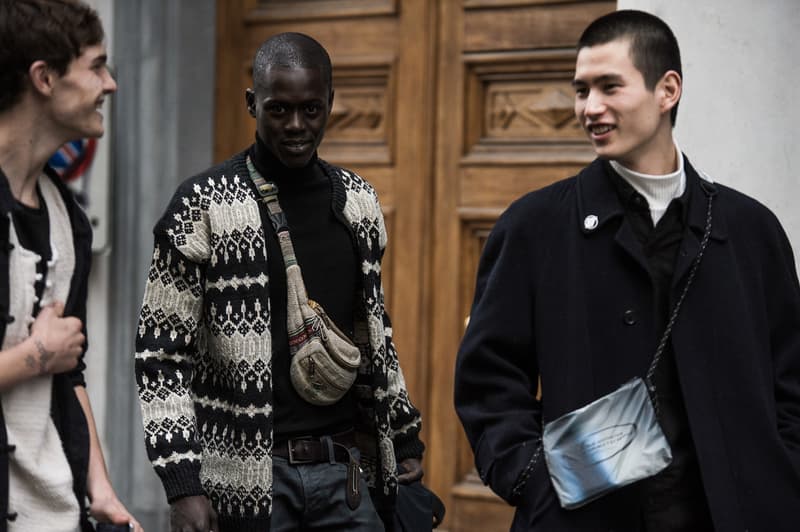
x=361 y=125
x=519 y=108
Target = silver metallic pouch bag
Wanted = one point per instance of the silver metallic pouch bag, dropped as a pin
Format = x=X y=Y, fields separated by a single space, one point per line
x=607 y=444
x=616 y=439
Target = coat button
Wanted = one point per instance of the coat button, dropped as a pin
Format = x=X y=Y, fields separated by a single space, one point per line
x=629 y=317
x=11 y=516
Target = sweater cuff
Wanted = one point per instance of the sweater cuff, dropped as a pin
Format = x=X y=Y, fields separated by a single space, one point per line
x=408 y=448
x=183 y=481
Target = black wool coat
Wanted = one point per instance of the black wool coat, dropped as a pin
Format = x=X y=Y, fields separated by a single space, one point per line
x=572 y=303
x=66 y=411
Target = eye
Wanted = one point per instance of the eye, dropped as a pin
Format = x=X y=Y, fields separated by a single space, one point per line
x=581 y=92
x=611 y=87
x=312 y=109
x=276 y=108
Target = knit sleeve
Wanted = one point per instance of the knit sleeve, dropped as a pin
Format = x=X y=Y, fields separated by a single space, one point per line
x=166 y=348
x=405 y=419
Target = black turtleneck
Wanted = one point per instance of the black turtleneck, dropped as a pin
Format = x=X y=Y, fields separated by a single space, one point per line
x=327 y=257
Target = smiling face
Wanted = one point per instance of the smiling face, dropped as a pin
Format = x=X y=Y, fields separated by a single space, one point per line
x=291 y=106
x=624 y=120
x=78 y=95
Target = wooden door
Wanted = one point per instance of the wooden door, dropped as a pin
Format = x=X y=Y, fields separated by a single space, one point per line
x=451 y=109
x=505 y=126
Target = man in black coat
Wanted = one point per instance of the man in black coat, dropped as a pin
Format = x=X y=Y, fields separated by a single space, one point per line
x=576 y=286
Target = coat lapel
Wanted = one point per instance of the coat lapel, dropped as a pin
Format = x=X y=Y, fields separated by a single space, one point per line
x=598 y=198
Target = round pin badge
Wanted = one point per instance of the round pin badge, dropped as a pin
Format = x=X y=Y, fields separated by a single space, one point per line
x=590 y=222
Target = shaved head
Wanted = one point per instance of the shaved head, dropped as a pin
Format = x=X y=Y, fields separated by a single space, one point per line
x=291 y=50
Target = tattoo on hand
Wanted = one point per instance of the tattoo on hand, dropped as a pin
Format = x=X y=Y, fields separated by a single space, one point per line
x=44 y=357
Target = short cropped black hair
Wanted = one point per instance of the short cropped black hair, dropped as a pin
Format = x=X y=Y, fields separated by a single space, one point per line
x=292 y=50
x=53 y=31
x=653 y=47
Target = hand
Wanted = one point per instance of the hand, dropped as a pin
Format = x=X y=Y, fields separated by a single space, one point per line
x=193 y=514
x=58 y=340
x=411 y=469
x=107 y=508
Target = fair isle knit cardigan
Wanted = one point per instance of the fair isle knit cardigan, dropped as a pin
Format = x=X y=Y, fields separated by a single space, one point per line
x=203 y=361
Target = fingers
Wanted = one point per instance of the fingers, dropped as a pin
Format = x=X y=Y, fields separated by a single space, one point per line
x=214 y=522
x=413 y=471
x=58 y=308
x=193 y=514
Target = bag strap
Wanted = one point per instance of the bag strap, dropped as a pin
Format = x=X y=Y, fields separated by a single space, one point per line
x=711 y=192
x=269 y=193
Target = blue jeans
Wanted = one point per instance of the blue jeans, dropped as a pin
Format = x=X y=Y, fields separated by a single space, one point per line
x=308 y=497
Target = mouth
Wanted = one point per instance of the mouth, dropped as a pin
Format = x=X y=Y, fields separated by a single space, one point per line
x=600 y=131
x=296 y=146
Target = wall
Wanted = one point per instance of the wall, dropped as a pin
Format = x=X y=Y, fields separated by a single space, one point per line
x=738 y=118
x=97 y=306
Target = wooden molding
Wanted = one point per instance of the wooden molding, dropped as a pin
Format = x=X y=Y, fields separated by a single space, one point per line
x=490 y=4
x=290 y=10
x=528 y=25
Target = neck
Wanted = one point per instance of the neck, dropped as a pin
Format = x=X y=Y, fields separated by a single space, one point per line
x=658 y=157
x=25 y=147
x=658 y=189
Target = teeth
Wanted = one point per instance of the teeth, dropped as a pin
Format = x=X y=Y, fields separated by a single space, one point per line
x=599 y=130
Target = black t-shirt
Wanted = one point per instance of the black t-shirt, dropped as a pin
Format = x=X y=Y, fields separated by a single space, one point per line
x=33 y=231
x=326 y=253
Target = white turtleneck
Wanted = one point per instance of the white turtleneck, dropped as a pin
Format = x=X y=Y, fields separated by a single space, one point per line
x=658 y=190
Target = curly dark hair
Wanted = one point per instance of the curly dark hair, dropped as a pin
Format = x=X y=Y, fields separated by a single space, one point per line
x=54 y=31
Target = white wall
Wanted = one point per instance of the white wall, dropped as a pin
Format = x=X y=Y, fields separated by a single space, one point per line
x=97 y=305
x=739 y=119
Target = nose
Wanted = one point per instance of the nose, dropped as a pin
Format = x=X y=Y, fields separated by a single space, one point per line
x=109 y=83
x=295 y=121
x=594 y=104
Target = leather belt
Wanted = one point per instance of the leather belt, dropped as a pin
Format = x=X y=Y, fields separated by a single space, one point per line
x=333 y=448
x=314 y=450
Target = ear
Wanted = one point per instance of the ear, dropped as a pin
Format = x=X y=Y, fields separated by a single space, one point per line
x=250 y=98
x=42 y=77
x=670 y=89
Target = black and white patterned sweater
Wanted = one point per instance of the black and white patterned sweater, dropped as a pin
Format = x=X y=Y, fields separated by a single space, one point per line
x=203 y=348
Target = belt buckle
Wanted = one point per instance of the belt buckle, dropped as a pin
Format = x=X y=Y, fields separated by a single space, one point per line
x=290 y=447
